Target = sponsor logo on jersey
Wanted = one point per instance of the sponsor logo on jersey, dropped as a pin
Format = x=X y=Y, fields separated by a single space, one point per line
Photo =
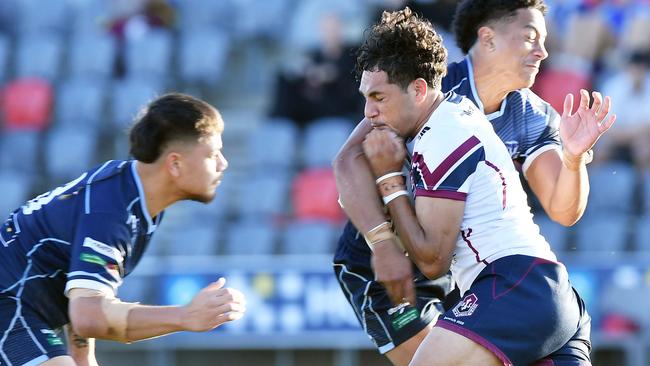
x=467 y=306
x=103 y=249
x=91 y=258
x=402 y=314
x=513 y=147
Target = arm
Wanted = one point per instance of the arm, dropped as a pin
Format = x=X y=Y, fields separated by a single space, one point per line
x=361 y=202
x=82 y=350
x=94 y=315
x=560 y=181
x=430 y=231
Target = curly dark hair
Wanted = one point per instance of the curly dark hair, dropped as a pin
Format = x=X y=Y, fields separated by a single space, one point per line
x=474 y=14
x=406 y=47
x=170 y=118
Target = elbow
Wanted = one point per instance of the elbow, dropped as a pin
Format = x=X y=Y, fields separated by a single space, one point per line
x=84 y=319
x=90 y=327
x=434 y=269
x=566 y=219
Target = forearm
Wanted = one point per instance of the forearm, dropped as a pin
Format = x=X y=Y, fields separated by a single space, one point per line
x=356 y=183
x=425 y=252
x=146 y=322
x=570 y=191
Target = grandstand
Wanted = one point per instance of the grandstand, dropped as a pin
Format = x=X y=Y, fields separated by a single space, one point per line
x=74 y=73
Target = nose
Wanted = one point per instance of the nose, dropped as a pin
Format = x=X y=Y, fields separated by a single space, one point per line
x=223 y=164
x=540 y=51
x=370 y=111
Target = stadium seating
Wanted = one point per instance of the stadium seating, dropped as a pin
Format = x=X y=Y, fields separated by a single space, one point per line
x=15 y=188
x=309 y=237
x=128 y=96
x=554 y=233
x=5 y=55
x=273 y=145
x=252 y=236
x=39 y=55
x=323 y=139
x=36 y=16
x=645 y=193
x=203 y=57
x=193 y=240
x=554 y=84
x=641 y=235
x=71 y=111
x=263 y=195
x=27 y=104
x=603 y=234
x=612 y=188
x=68 y=151
x=150 y=55
x=314 y=196
x=19 y=151
x=205 y=14
x=92 y=55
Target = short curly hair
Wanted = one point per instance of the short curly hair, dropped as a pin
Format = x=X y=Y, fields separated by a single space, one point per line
x=474 y=14
x=406 y=47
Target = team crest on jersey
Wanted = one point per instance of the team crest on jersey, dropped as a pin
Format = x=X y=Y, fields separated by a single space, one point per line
x=467 y=306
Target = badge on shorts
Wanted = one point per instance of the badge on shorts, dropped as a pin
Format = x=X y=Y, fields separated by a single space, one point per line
x=402 y=314
x=467 y=306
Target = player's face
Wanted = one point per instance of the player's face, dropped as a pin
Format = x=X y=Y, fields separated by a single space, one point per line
x=203 y=166
x=519 y=47
x=387 y=104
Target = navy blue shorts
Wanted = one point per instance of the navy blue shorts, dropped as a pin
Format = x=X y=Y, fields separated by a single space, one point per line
x=525 y=311
x=26 y=339
x=387 y=325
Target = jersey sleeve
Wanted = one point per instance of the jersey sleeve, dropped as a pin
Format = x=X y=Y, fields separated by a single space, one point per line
x=98 y=253
x=445 y=167
x=549 y=139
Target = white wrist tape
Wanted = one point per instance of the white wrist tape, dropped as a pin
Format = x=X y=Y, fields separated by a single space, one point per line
x=394 y=195
x=115 y=311
x=386 y=176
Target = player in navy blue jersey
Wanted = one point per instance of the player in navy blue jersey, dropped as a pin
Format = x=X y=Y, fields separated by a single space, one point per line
x=504 y=42
x=65 y=253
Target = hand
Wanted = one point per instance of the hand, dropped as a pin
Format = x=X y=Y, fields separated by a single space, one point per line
x=580 y=131
x=384 y=150
x=213 y=306
x=393 y=270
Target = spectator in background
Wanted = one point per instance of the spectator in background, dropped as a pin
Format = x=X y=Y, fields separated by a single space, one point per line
x=631 y=88
x=324 y=86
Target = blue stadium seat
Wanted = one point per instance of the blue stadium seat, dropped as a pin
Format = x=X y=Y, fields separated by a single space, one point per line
x=262 y=19
x=645 y=193
x=5 y=55
x=69 y=151
x=137 y=289
x=263 y=195
x=39 y=56
x=80 y=103
x=193 y=240
x=203 y=56
x=203 y=14
x=554 y=233
x=612 y=188
x=129 y=96
x=92 y=55
x=641 y=235
x=246 y=237
x=37 y=16
x=19 y=151
x=15 y=188
x=602 y=234
x=273 y=145
x=89 y=16
x=150 y=55
x=323 y=139
x=309 y=237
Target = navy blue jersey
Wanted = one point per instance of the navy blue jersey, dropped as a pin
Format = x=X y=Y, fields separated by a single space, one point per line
x=526 y=124
x=89 y=233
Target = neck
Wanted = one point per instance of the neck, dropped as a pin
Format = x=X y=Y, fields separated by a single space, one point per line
x=156 y=187
x=436 y=97
x=490 y=85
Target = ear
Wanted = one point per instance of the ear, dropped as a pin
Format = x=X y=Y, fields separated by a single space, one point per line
x=485 y=38
x=421 y=89
x=173 y=164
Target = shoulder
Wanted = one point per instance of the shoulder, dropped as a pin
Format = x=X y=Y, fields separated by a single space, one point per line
x=108 y=187
x=533 y=107
x=456 y=75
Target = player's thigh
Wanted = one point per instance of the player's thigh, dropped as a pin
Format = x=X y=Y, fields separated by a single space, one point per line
x=443 y=347
x=59 y=361
x=403 y=353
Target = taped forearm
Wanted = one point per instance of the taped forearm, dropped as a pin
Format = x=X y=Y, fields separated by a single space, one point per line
x=114 y=312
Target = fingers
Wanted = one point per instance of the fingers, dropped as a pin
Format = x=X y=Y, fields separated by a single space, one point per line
x=584 y=99
x=568 y=105
x=216 y=285
x=602 y=113
x=598 y=102
x=395 y=292
x=603 y=127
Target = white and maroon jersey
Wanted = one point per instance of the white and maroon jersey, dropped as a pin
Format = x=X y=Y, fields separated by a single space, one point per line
x=457 y=155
